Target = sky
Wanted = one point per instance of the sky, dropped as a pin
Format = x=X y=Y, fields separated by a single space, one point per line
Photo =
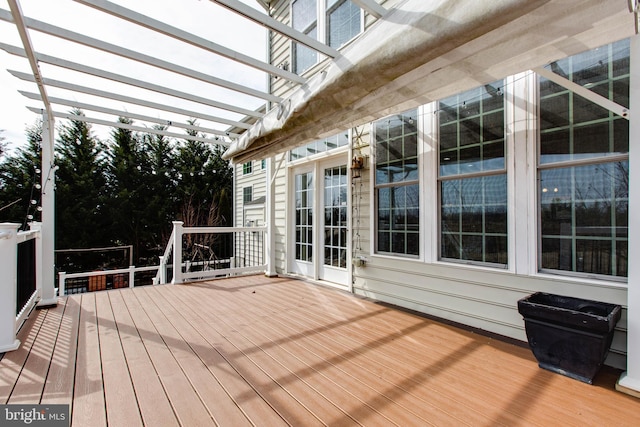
x=200 y=17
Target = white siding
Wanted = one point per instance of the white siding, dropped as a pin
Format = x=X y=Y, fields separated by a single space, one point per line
x=480 y=297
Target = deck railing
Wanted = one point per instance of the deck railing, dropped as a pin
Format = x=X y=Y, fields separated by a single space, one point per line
x=20 y=284
x=201 y=253
x=75 y=283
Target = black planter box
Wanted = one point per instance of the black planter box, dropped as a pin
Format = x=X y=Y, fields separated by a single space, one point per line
x=570 y=336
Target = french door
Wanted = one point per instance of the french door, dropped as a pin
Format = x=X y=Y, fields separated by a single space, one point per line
x=320 y=229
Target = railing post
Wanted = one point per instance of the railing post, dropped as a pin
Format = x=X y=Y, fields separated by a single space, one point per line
x=132 y=275
x=37 y=226
x=8 y=286
x=162 y=270
x=62 y=276
x=177 y=252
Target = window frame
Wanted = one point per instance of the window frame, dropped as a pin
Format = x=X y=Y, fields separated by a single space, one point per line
x=244 y=194
x=572 y=164
x=247 y=168
x=375 y=187
x=504 y=170
x=321 y=26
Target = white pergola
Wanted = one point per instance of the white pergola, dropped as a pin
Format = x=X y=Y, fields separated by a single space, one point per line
x=415 y=53
x=223 y=120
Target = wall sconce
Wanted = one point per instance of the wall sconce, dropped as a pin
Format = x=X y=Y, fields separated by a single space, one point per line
x=357 y=166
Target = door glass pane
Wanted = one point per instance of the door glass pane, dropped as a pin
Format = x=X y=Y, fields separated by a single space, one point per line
x=335 y=214
x=304 y=212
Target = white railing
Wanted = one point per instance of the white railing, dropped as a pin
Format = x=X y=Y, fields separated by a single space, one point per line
x=16 y=304
x=242 y=251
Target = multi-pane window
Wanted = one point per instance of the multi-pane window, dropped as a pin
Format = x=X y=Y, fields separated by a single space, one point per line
x=247 y=194
x=397 y=190
x=304 y=19
x=343 y=22
x=583 y=167
x=247 y=168
x=335 y=216
x=333 y=22
x=472 y=176
x=319 y=146
x=303 y=188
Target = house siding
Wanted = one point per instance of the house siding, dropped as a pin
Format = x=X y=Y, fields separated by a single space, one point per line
x=477 y=296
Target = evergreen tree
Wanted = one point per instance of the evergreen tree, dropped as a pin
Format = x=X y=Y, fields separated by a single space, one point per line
x=195 y=202
x=20 y=180
x=127 y=204
x=81 y=217
x=161 y=184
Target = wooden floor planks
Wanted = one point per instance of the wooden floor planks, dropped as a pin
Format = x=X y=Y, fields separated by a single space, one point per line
x=267 y=352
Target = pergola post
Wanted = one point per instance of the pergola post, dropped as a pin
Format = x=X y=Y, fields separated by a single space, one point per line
x=47 y=234
x=270 y=247
x=630 y=380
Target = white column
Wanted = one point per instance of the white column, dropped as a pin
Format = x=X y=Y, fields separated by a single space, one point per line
x=630 y=380
x=48 y=295
x=8 y=286
x=270 y=240
x=177 y=252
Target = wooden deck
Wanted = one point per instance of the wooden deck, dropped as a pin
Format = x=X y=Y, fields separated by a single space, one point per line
x=272 y=352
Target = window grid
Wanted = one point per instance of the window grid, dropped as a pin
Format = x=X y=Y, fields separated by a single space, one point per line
x=338 y=22
x=247 y=194
x=335 y=217
x=397 y=189
x=304 y=215
x=472 y=176
x=247 y=168
x=583 y=166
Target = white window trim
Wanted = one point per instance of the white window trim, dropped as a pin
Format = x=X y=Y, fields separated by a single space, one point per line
x=373 y=208
x=321 y=30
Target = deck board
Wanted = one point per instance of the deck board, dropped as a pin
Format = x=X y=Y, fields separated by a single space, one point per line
x=120 y=398
x=186 y=403
x=58 y=388
x=152 y=399
x=264 y=351
x=88 y=406
x=29 y=386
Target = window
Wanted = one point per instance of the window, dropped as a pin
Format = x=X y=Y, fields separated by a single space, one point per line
x=247 y=194
x=397 y=191
x=583 y=166
x=319 y=146
x=304 y=19
x=472 y=176
x=304 y=216
x=247 y=168
x=340 y=22
x=343 y=22
x=263 y=164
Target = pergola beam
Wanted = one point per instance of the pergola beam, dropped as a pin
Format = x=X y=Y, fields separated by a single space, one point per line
x=121 y=113
x=70 y=116
x=19 y=21
x=186 y=37
x=58 y=62
x=372 y=7
x=128 y=99
x=62 y=33
x=277 y=26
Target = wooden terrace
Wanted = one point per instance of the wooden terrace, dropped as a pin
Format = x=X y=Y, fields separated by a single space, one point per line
x=276 y=351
